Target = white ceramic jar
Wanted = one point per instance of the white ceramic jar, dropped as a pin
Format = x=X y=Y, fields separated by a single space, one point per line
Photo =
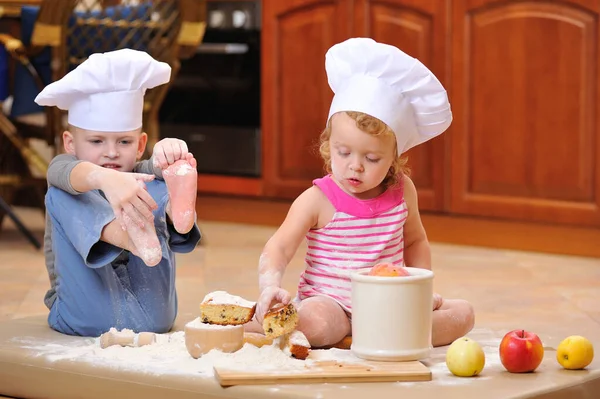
x=391 y=316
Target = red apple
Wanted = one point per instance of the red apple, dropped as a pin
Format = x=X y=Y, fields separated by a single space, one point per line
x=388 y=269
x=521 y=351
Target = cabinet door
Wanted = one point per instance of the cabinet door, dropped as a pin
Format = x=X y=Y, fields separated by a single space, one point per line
x=526 y=142
x=296 y=34
x=419 y=28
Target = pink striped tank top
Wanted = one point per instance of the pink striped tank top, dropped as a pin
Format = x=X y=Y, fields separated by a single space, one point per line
x=361 y=234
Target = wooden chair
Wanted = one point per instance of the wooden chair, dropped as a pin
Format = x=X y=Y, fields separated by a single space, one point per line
x=15 y=174
x=68 y=31
x=59 y=35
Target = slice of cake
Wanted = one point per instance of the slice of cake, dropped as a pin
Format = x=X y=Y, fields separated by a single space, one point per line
x=293 y=344
x=220 y=307
x=280 y=320
x=296 y=345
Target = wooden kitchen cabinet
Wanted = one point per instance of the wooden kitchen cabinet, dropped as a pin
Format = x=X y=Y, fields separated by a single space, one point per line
x=296 y=96
x=523 y=82
x=420 y=29
x=525 y=142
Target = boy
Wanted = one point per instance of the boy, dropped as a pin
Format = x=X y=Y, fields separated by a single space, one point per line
x=101 y=275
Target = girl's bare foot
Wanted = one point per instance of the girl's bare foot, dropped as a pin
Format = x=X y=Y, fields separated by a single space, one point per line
x=182 y=182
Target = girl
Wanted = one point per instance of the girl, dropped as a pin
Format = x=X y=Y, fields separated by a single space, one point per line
x=365 y=210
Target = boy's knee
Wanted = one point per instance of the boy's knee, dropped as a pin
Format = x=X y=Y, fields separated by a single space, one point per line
x=56 y=200
x=59 y=200
x=55 y=196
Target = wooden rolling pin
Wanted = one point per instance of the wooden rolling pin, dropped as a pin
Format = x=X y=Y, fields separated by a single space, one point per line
x=126 y=338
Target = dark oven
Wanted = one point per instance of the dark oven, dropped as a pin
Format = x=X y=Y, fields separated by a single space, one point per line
x=214 y=101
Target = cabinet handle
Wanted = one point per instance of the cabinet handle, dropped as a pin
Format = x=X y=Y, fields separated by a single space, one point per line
x=197 y=137
x=222 y=48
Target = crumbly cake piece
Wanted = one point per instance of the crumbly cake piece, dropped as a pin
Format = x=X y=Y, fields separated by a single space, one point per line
x=220 y=307
x=280 y=320
x=257 y=339
x=294 y=344
x=297 y=345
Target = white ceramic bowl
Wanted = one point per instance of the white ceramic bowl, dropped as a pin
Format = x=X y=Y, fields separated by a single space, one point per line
x=391 y=316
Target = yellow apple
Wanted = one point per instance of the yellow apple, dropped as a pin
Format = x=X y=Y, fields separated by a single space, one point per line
x=465 y=358
x=575 y=352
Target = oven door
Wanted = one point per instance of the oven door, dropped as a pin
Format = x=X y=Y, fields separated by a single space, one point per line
x=214 y=103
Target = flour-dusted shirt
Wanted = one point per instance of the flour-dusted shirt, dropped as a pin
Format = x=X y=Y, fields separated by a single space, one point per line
x=360 y=234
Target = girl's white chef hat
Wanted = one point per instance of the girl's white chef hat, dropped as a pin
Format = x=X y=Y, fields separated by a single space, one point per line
x=382 y=81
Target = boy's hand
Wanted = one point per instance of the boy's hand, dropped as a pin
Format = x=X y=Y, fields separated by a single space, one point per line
x=167 y=151
x=126 y=193
x=269 y=297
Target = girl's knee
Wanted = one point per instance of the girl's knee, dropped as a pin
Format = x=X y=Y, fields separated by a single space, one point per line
x=315 y=330
x=469 y=315
x=464 y=313
x=322 y=321
x=453 y=320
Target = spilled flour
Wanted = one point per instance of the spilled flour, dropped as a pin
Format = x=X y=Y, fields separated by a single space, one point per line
x=170 y=356
x=442 y=376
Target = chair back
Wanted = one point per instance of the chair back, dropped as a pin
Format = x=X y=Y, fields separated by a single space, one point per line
x=75 y=29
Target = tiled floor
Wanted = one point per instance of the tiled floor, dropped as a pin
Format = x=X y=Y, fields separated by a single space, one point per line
x=550 y=294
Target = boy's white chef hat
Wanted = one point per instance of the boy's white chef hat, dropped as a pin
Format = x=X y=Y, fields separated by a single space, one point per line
x=384 y=82
x=106 y=92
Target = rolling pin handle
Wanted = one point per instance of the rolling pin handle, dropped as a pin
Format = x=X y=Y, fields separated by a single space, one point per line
x=111 y=338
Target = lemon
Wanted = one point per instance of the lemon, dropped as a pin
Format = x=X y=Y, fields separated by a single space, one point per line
x=575 y=352
x=465 y=358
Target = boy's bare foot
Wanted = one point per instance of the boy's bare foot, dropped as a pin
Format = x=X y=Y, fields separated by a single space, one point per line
x=182 y=182
x=144 y=241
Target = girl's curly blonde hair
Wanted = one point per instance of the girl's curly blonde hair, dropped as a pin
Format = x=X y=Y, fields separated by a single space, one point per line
x=375 y=127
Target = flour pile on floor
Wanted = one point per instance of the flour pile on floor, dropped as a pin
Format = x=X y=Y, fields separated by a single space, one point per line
x=170 y=356
x=442 y=376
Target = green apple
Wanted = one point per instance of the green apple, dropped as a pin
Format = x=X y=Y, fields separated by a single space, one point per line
x=465 y=358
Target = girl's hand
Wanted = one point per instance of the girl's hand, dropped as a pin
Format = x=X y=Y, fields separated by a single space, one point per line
x=126 y=193
x=269 y=297
x=167 y=151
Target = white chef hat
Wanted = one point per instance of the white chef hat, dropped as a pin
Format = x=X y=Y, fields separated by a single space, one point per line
x=106 y=92
x=382 y=81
